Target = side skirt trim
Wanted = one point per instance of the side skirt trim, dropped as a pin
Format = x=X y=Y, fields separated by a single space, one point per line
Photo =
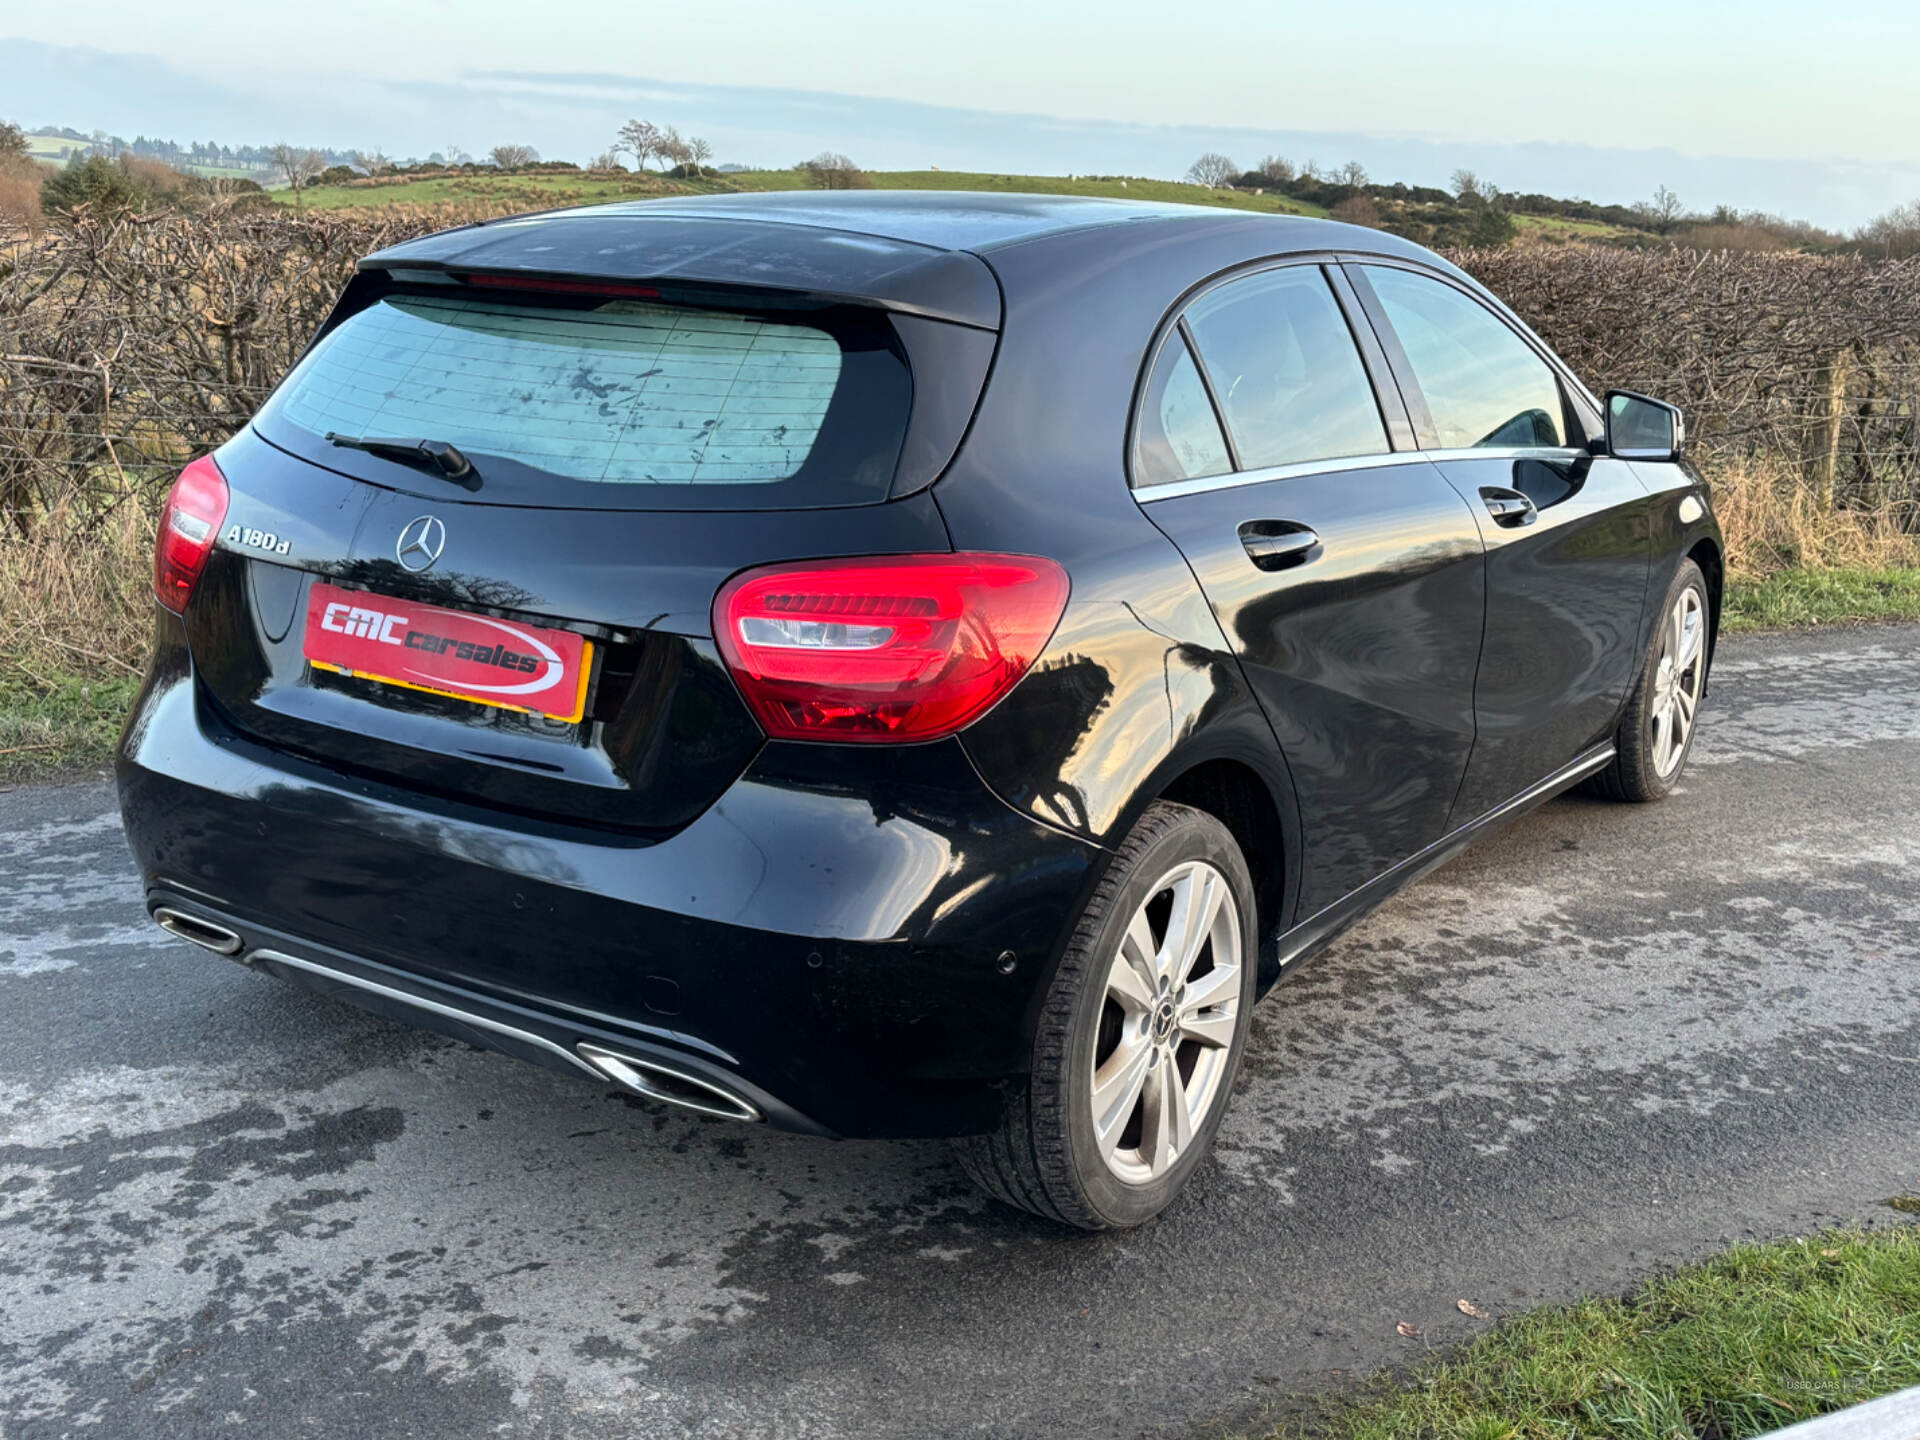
x=1312 y=934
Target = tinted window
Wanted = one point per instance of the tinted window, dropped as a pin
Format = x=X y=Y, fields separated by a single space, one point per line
x=1179 y=435
x=1483 y=383
x=1285 y=369
x=648 y=402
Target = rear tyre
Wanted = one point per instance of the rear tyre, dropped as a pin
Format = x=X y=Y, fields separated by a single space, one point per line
x=1656 y=733
x=1140 y=1035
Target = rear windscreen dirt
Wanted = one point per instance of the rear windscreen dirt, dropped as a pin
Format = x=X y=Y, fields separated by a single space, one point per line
x=605 y=403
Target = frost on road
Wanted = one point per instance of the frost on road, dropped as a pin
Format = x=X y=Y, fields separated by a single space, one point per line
x=1608 y=1039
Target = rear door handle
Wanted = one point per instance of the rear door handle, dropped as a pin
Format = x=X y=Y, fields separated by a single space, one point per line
x=1508 y=507
x=1277 y=544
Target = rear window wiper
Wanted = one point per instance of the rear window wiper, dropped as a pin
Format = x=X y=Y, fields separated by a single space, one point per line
x=434 y=456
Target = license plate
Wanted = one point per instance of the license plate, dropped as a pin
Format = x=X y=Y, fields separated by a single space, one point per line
x=448 y=652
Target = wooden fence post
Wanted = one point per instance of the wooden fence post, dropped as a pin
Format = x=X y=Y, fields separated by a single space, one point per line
x=1822 y=442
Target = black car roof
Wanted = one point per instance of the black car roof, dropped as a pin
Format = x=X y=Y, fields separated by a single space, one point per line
x=911 y=250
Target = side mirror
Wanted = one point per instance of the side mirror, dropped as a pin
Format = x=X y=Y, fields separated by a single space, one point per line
x=1642 y=428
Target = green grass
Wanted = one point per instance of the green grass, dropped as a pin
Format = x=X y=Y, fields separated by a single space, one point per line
x=1554 y=227
x=535 y=191
x=64 y=725
x=49 y=147
x=1794 y=598
x=1758 y=1338
x=1126 y=188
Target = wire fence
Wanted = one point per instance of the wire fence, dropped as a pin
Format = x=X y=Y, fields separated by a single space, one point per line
x=129 y=346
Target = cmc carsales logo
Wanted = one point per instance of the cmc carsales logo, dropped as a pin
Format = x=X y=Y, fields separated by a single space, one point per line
x=363 y=622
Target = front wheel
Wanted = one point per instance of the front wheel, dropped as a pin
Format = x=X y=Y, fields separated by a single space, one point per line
x=1656 y=733
x=1140 y=1036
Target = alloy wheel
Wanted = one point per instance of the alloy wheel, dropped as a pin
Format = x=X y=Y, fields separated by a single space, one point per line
x=1168 y=1022
x=1678 y=678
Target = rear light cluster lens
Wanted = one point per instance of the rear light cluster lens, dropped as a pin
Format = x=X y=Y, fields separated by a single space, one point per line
x=189 y=524
x=892 y=648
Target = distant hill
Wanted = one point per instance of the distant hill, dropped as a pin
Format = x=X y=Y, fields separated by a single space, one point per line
x=1473 y=212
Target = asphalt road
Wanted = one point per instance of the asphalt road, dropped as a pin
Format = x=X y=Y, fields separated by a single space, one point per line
x=1609 y=1039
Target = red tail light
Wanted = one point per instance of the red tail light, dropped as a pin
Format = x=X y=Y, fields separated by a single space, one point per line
x=888 y=648
x=189 y=524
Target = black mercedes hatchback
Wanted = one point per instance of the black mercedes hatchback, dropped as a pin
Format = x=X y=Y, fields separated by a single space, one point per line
x=888 y=664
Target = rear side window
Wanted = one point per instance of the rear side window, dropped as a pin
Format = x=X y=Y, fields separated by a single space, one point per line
x=1179 y=436
x=1483 y=384
x=1284 y=367
x=649 y=403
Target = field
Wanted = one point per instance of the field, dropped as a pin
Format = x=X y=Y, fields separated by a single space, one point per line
x=536 y=191
x=53 y=150
x=49 y=147
x=1554 y=228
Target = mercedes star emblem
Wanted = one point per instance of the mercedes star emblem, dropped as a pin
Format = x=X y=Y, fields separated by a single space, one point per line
x=421 y=542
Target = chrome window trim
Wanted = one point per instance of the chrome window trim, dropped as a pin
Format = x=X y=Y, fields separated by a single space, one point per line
x=1172 y=489
x=1508 y=452
x=1201 y=484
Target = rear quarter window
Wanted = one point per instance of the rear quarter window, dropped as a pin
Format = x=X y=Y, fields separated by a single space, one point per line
x=625 y=403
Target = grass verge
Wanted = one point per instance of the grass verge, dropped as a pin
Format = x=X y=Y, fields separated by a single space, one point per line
x=65 y=723
x=1758 y=1338
x=76 y=618
x=1800 y=597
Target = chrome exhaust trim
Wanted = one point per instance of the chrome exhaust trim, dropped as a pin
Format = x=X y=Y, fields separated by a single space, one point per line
x=204 y=933
x=669 y=1084
x=421 y=1003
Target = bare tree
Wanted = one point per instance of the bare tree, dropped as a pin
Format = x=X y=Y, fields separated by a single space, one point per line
x=671 y=148
x=457 y=156
x=374 y=162
x=1214 y=170
x=1352 y=173
x=1278 y=169
x=1664 y=210
x=1311 y=171
x=640 y=139
x=1466 y=185
x=606 y=160
x=698 y=153
x=13 y=141
x=830 y=170
x=1894 y=235
x=299 y=166
x=513 y=157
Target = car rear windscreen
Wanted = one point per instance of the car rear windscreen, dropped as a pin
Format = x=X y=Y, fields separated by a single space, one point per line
x=628 y=403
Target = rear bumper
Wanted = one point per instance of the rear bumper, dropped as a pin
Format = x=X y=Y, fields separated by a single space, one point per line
x=829 y=940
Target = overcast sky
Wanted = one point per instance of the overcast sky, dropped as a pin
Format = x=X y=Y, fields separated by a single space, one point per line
x=1810 y=109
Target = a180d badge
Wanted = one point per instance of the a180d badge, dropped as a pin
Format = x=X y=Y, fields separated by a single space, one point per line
x=265 y=540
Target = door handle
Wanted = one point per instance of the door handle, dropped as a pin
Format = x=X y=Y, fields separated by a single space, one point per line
x=1508 y=507
x=1277 y=544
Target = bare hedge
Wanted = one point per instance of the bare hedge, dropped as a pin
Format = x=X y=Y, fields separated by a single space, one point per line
x=1813 y=358
x=128 y=346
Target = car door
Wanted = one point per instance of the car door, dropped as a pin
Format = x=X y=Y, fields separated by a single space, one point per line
x=1567 y=532
x=1345 y=571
